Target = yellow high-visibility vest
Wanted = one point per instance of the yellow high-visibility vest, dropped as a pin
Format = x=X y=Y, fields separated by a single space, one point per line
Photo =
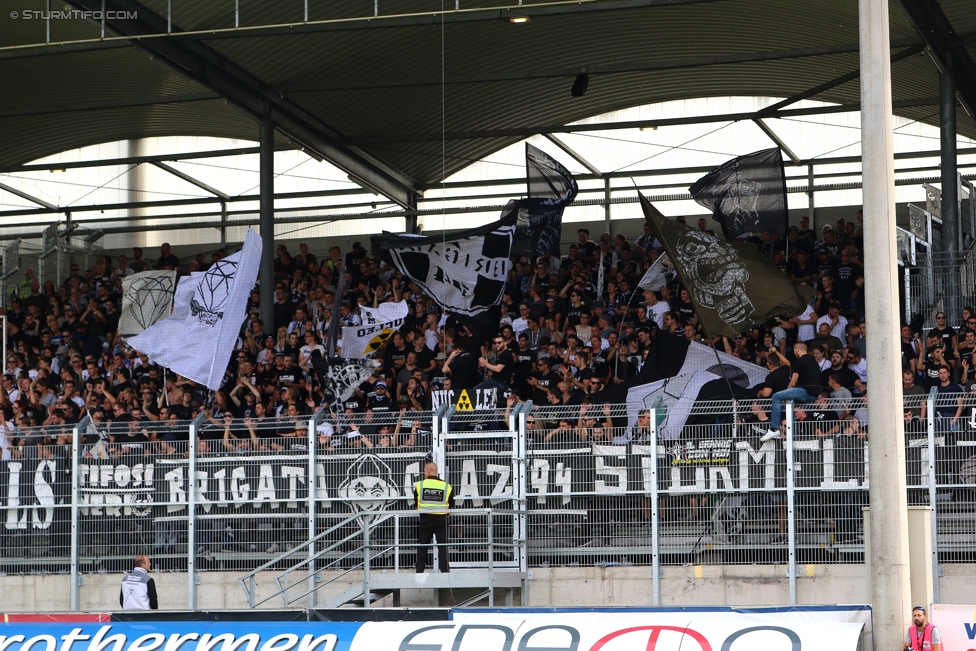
x=434 y=495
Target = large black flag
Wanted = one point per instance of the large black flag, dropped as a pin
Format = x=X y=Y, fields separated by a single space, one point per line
x=746 y=194
x=731 y=285
x=464 y=273
x=551 y=188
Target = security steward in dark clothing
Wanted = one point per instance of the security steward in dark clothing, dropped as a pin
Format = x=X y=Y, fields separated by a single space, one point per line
x=434 y=498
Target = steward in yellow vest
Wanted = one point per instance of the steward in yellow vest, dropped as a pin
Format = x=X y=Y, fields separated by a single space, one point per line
x=434 y=498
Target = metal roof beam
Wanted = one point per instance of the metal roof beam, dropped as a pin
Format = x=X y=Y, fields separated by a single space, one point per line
x=776 y=139
x=354 y=23
x=813 y=92
x=189 y=179
x=326 y=219
x=671 y=171
x=633 y=124
x=29 y=197
x=204 y=66
x=133 y=160
x=108 y=105
x=573 y=154
x=170 y=203
x=835 y=82
x=947 y=46
x=47 y=49
x=607 y=69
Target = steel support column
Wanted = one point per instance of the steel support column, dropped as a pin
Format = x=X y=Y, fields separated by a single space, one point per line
x=410 y=222
x=812 y=206
x=888 y=550
x=950 y=189
x=266 y=274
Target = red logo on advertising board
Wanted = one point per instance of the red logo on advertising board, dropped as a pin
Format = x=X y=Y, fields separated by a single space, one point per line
x=655 y=634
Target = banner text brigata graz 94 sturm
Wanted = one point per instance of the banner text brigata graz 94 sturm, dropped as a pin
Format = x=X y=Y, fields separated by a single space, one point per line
x=829 y=629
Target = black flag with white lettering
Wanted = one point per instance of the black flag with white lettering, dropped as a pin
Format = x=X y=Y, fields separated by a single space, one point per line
x=464 y=273
x=746 y=194
x=551 y=187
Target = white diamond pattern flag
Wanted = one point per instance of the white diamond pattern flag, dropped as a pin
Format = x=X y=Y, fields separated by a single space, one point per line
x=197 y=339
x=147 y=299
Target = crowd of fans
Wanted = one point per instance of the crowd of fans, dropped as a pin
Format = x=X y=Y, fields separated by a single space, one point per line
x=566 y=332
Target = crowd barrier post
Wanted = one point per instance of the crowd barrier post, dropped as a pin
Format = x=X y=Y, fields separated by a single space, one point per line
x=76 y=435
x=933 y=494
x=313 y=423
x=790 y=503
x=655 y=518
x=191 y=523
x=366 y=560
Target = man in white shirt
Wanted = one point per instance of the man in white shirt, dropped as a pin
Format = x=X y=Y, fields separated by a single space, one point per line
x=857 y=364
x=806 y=324
x=836 y=322
x=522 y=322
x=655 y=308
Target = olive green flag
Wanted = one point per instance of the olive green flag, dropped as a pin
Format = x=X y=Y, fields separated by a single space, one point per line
x=731 y=284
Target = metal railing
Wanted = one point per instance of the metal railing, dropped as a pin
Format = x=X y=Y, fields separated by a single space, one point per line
x=361 y=545
x=570 y=485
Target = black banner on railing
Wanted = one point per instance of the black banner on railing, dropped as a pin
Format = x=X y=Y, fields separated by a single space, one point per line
x=36 y=493
x=32 y=491
x=709 y=464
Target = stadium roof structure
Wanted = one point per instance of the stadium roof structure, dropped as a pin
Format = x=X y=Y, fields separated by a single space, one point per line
x=400 y=94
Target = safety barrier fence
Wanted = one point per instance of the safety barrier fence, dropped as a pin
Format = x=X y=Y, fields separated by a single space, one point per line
x=682 y=483
x=937 y=283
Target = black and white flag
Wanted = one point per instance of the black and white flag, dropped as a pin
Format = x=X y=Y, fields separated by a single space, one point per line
x=339 y=377
x=198 y=337
x=732 y=286
x=464 y=273
x=658 y=274
x=551 y=187
x=746 y=194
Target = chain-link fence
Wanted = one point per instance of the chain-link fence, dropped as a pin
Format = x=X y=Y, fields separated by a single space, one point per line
x=579 y=485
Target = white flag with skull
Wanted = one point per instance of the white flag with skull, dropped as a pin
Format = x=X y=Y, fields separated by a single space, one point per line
x=197 y=339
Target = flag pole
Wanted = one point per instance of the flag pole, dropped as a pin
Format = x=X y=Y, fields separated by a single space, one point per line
x=332 y=337
x=630 y=305
x=701 y=321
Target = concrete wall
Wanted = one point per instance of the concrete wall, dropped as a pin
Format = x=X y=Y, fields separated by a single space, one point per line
x=693 y=585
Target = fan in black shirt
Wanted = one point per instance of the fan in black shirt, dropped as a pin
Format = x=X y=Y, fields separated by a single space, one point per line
x=462 y=366
x=543 y=380
x=499 y=363
x=379 y=399
x=804 y=387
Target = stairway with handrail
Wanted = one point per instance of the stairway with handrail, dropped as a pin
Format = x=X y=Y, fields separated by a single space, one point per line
x=365 y=552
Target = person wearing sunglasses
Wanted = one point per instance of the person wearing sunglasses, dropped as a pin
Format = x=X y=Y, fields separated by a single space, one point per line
x=922 y=636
